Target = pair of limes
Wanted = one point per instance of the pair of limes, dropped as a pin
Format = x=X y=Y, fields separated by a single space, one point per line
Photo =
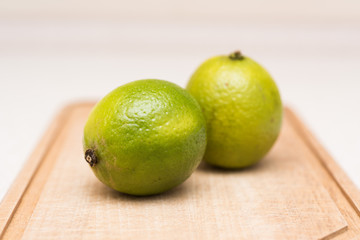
x=148 y=136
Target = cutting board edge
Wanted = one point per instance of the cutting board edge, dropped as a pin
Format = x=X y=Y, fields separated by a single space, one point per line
x=13 y=196
x=345 y=184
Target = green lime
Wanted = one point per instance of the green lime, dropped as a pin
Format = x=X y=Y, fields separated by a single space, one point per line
x=242 y=107
x=145 y=137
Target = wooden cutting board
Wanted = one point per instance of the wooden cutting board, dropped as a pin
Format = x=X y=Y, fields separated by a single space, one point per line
x=296 y=192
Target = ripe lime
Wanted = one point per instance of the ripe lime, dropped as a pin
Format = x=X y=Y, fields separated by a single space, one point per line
x=242 y=107
x=145 y=137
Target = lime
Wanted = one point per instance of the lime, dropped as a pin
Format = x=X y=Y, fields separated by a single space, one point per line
x=145 y=137
x=242 y=107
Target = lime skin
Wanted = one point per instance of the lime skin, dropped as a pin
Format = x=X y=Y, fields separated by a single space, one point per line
x=242 y=107
x=145 y=137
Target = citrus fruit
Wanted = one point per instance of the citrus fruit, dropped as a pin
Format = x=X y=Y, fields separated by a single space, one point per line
x=242 y=108
x=145 y=137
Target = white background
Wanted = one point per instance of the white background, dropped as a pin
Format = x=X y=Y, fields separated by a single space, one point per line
x=56 y=52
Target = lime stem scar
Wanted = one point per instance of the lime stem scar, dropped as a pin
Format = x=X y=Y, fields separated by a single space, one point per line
x=90 y=157
x=236 y=56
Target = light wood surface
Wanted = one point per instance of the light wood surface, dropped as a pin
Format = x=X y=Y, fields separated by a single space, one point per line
x=296 y=192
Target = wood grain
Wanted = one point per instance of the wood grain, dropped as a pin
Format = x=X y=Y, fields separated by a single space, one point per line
x=16 y=192
x=296 y=192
